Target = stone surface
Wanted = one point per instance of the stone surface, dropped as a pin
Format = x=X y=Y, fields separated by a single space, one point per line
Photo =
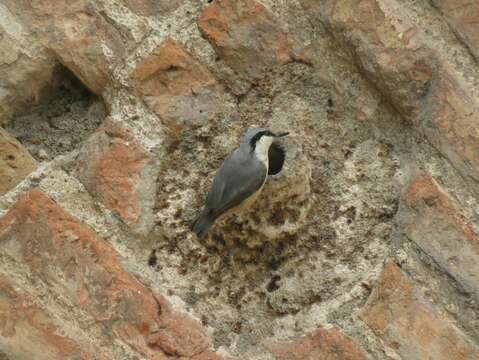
x=451 y=124
x=399 y=315
x=177 y=87
x=26 y=67
x=78 y=35
x=118 y=171
x=96 y=243
x=386 y=46
x=15 y=162
x=81 y=266
x=463 y=17
x=27 y=331
x=245 y=36
x=152 y=7
x=321 y=344
x=210 y=355
x=437 y=224
x=423 y=83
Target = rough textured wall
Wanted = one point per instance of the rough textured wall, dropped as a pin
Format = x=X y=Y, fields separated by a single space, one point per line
x=115 y=116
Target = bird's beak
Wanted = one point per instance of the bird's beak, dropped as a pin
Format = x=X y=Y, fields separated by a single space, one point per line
x=282 y=134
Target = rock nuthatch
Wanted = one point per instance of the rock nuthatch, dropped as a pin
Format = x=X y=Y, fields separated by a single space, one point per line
x=239 y=180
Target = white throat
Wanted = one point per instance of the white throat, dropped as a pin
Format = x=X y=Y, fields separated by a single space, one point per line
x=261 y=149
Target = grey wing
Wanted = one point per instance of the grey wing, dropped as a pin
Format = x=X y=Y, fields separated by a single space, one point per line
x=235 y=181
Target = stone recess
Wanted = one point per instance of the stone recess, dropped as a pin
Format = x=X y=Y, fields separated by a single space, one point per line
x=463 y=16
x=116 y=169
x=15 y=162
x=81 y=267
x=245 y=36
x=435 y=223
x=321 y=344
x=177 y=87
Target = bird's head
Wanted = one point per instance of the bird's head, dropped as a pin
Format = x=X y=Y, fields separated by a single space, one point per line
x=262 y=138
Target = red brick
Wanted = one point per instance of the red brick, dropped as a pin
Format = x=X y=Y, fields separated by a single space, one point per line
x=80 y=266
x=15 y=162
x=116 y=169
x=28 y=332
x=463 y=17
x=451 y=124
x=437 y=225
x=245 y=36
x=399 y=315
x=177 y=87
x=321 y=344
x=387 y=48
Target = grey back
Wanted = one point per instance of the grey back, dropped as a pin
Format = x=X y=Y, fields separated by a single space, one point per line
x=240 y=176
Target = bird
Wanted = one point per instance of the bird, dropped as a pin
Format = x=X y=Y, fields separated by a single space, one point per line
x=239 y=180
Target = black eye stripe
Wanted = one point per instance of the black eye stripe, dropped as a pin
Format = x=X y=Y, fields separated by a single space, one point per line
x=258 y=136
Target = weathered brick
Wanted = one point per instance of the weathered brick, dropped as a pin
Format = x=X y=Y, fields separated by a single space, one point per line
x=398 y=314
x=245 y=36
x=119 y=172
x=322 y=344
x=463 y=17
x=26 y=67
x=79 y=265
x=417 y=79
x=15 y=162
x=177 y=87
x=29 y=332
x=81 y=38
x=436 y=224
x=152 y=7
x=451 y=122
x=386 y=46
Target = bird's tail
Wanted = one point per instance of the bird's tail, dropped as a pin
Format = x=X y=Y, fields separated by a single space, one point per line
x=203 y=223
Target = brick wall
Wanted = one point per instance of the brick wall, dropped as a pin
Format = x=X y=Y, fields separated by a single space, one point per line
x=115 y=116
